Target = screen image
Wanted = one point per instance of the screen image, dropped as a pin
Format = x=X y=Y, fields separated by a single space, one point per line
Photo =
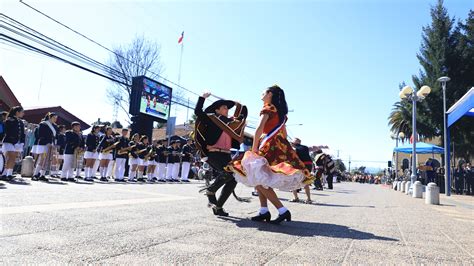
x=155 y=99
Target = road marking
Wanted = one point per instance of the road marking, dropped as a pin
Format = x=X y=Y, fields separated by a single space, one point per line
x=87 y=204
x=457 y=244
x=348 y=252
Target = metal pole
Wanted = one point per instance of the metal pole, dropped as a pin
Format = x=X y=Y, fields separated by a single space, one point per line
x=447 y=184
x=447 y=189
x=349 y=164
x=396 y=158
x=413 y=166
x=180 y=61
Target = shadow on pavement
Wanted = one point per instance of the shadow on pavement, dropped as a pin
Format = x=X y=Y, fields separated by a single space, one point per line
x=307 y=229
x=53 y=182
x=83 y=182
x=344 y=206
x=21 y=182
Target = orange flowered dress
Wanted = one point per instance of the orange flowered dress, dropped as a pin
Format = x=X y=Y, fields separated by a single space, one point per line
x=276 y=165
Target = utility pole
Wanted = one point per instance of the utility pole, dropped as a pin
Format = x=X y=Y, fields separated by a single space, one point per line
x=349 y=164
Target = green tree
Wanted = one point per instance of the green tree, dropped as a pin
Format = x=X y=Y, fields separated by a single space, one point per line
x=437 y=57
x=340 y=166
x=193 y=119
x=446 y=50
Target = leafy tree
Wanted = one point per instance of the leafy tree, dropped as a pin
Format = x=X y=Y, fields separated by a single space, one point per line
x=340 y=166
x=140 y=58
x=446 y=50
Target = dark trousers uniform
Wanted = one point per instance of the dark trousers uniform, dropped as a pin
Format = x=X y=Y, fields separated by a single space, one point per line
x=329 y=178
x=219 y=160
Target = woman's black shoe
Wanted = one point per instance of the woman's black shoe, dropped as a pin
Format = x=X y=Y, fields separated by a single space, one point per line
x=262 y=217
x=104 y=179
x=35 y=177
x=43 y=178
x=219 y=211
x=285 y=216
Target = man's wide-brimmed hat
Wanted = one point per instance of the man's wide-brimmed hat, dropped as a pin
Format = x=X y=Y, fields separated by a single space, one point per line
x=217 y=104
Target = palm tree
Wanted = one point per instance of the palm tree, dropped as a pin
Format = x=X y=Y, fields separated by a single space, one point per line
x=399 y=119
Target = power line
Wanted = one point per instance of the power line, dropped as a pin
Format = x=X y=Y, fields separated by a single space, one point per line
x=56 y=46
x=106 y=48
x=35 y=36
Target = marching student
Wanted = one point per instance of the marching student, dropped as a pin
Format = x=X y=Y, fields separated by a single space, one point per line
x=71 y=151
x=151 y=163
x=96 y=166
x=133 y=158
x=91 y=155
x=160 y=158
x=110 y=167
x=46 y=138
x=186 y=160
x=106 y=145
x=121 y=154
x=60 y=145
x=142 y=151
x=14 y=140
x=170 y=161
x=177 y=161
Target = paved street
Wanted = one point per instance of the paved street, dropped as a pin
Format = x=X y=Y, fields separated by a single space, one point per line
x=170 y=223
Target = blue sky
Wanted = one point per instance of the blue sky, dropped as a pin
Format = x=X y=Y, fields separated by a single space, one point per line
x=339 y=62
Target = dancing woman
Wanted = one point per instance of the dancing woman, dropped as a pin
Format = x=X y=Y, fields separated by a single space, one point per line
x=272 y=163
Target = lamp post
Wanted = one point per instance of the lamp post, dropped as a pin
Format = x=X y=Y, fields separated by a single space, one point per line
x=447 y=176
x=407 y=93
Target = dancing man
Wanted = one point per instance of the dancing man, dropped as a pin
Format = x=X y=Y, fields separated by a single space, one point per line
x=215 y=134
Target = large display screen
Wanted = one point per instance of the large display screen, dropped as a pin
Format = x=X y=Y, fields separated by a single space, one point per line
x=150 y=98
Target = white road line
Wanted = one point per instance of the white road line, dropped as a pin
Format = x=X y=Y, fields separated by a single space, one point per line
x=344 y=262
x=404 y=240
x=86 y=204
x=457 y=244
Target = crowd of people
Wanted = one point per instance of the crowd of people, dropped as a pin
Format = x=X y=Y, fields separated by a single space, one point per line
x=70 y=155
x=366 y=178
x=464 y=178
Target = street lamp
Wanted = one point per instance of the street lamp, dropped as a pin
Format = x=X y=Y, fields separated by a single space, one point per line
x=407 y=93
x=447 y=176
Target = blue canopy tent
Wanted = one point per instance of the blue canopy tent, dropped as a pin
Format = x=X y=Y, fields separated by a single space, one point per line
x=463 y=107
x=421 y=148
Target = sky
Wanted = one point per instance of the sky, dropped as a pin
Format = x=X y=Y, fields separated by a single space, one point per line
x=340 y=62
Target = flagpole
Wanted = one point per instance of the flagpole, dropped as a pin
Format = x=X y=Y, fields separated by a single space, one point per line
x=180 y=62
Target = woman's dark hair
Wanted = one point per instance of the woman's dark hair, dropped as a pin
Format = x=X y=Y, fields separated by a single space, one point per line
x=279 y=101
x=61 y=127
x=135 y=135
x=144 y=137
x=14 y=110
x=48 y=116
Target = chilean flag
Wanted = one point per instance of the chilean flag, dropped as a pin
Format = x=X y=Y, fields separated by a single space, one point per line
x=180 y=40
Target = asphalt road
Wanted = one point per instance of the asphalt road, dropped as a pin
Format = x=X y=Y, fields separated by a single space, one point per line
x=170 y=223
